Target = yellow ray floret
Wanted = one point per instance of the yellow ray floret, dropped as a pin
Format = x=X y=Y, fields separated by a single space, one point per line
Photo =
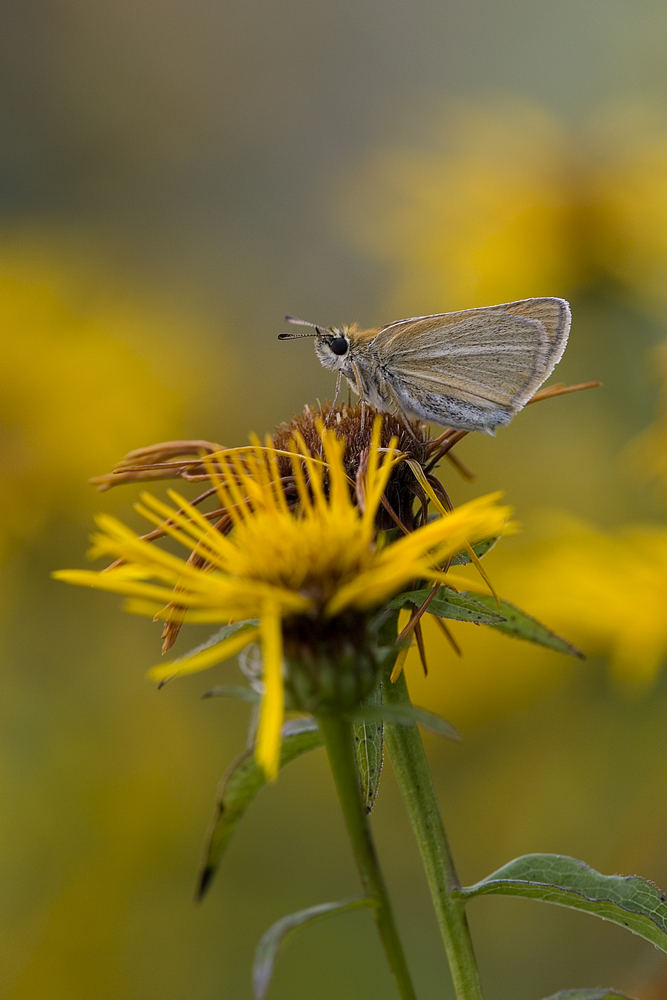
x=279 y=563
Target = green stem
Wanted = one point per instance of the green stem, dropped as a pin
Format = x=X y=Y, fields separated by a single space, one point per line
x=408 y=759
x=337 y=736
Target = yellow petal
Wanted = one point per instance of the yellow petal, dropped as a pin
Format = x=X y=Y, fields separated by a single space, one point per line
x=273 y=703
x=400 y=662
x=116 y=583
x=207 y=658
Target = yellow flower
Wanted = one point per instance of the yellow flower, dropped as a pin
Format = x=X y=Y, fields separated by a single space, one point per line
x=606 y=592
x=281 y=566
x=506 y=201
x=58 y=420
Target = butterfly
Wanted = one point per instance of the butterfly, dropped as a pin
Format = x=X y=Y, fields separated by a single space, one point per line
x=471 y=370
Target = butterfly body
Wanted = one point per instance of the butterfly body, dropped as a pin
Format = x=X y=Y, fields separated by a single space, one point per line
x=471 y=370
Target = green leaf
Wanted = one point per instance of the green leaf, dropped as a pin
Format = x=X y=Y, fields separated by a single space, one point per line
x=627 y=900
x=369 y=750
x=242 y=782
x=600 y=994
x=406 y=715
x=462 y=558
x=274 y=939
x=521 y=625
x=233 y=691
x=448 y=604
x=483 y=610
x=222 y=633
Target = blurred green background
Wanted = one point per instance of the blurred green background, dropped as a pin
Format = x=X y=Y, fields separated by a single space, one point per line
x=174 y=179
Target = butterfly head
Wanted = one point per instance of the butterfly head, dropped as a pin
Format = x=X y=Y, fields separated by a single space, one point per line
x=332 y=347
x=332 y=344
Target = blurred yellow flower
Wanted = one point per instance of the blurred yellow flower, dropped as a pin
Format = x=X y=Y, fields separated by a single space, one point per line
x=506 y=201
x=279 y=566
x=607 y=592
x=78 y=386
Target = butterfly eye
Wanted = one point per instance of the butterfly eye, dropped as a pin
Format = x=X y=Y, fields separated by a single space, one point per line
x=338 y=345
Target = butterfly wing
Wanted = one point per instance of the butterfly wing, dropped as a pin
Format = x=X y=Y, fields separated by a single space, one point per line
x=476 y=368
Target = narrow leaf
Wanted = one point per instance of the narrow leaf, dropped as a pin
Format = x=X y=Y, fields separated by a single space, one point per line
x=213 y=640
x=274 y=939
x=600 y=994
x=627 y=900
x=462 y=558
x=233 y=691
x=369 y=751
x=447 y=603
x=407 y=715
x=482 y=610
x=521 y=625
x=242 y=782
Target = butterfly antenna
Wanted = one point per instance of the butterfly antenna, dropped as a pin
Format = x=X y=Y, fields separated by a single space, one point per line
x=299 y=322
x=297 y=336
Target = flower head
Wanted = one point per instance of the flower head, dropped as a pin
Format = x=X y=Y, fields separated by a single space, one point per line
x=310 y=572
x=411 y=475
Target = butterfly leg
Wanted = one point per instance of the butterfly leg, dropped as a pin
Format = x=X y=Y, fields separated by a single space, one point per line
x=333 y=403
x=361 y=395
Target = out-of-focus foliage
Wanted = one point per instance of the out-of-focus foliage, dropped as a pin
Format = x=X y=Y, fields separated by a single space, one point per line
x=506 y=201
x=649 y=450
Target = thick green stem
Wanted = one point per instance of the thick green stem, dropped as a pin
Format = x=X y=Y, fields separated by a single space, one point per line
x=337 y=736
x=408 y=759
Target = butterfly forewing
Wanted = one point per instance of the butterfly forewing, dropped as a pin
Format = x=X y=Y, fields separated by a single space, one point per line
x=500 y=354
x=554 y=314
x=499 y=360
